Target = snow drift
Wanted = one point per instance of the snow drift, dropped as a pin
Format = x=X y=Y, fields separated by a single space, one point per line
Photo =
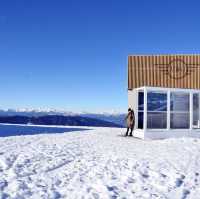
x=98 y=163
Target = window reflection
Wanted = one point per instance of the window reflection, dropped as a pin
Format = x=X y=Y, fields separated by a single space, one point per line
x=179 y=120
x=156 y=110
x=156 y=101
x=156 y=120
x=141 y=101
x=179 y=110
x=140 y=120
x=179 y=101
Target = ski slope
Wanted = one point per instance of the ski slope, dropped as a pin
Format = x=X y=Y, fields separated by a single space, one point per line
x=98 y=163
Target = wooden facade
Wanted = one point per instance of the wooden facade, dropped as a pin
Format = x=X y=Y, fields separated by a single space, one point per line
x=172 y=71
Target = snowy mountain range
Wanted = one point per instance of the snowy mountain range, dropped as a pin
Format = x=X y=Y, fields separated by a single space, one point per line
x=112 y=116
x=49 y=111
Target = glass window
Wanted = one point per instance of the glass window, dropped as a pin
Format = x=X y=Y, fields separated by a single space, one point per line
x=156 y=120
x=179 y=120
x=140 y=109
x=179 y=101
x=195 y=109
x=140 y=120
x=179 y=110
x=141 y=101
x=156 y=101
x=156 y=110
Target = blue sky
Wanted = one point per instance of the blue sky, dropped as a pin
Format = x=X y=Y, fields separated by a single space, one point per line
x=72 y=54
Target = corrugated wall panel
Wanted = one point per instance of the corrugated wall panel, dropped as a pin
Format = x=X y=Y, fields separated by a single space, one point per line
x=175 y=71
x=192 y=83
x=182 y=79
x=164 y=76
x=195 y=74
x=151 y=70
x=140 y=71
x=137 y=83
x=188 y=80
x=129 y=72
x=133 y=83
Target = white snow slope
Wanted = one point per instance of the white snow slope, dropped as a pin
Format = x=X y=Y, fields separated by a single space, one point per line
x=98 y=163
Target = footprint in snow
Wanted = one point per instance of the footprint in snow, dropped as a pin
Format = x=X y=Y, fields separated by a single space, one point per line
x=145 y=175
x=3 y=184
x=95 y=196
x=179 y=181
x=185 y=193
x=130 y=180
x=4 y=196
x=113 y=190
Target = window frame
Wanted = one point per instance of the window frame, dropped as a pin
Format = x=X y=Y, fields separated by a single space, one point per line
x=179 y=111
x=146 y=89
x=195 y=125
x=154 y=111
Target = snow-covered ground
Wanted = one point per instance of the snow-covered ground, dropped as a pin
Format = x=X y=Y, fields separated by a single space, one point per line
x=98 y=163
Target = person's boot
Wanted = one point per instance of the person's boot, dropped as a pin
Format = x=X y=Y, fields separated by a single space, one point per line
x=126 y=133
x=131 y=133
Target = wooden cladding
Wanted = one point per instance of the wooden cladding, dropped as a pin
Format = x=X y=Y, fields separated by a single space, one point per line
x=172 y=71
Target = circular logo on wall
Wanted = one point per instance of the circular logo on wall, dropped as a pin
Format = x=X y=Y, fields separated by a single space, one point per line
x=177 y=68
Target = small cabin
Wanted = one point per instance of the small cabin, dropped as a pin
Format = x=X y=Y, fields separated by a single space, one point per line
x=164 y=92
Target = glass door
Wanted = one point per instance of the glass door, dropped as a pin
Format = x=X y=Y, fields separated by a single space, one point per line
x=140 y=109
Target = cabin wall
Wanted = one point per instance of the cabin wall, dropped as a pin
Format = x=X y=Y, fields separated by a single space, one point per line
x=172 y=71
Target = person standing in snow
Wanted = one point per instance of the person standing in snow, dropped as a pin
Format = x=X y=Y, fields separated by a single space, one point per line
x=130 y=120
